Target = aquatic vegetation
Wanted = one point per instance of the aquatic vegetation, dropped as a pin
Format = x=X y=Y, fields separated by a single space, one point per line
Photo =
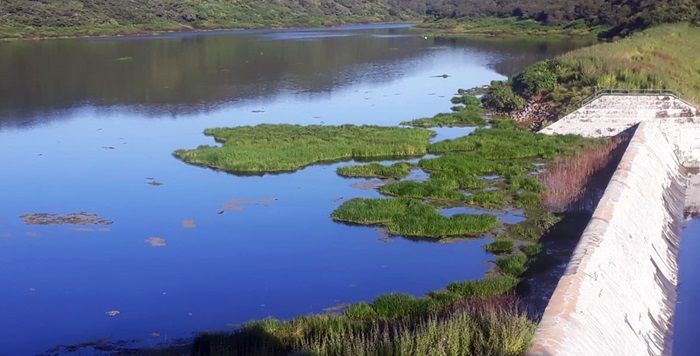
x=431 y=188
x=283 y=148
x=513 y=265
x=410 y=217
x=65 y=219
x=489 y=199
x=471 y=114
x=511 y=144
x=499 y=247
x=377 y=170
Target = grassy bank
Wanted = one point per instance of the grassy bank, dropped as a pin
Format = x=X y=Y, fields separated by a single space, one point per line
x=394 y=324
x=509 y=26
x=663 y=57
x=283 y=148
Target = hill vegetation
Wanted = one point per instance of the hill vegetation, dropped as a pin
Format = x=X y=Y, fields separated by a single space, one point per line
x=28 y=18
x=663 y=57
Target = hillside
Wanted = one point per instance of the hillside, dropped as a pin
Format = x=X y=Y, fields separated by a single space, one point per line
x=610 y=18
x=27 y=18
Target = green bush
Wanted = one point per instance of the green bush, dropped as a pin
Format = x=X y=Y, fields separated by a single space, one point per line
x=501 y=97
x=540 y=78
x=361 y=311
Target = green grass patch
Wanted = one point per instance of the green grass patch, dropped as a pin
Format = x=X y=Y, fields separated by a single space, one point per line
x=510 y=144
x=470 y=114
x=485 y=287
x=513 y=265
x=499 y=247
x=441 y=189
x=284 y=148
x=409 y=217
x=489 y=199
x=377 y=170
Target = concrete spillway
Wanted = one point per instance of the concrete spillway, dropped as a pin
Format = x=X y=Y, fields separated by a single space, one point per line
x=617 y=295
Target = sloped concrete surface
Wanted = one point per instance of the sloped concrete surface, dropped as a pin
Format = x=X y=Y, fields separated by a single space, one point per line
x=617 y=295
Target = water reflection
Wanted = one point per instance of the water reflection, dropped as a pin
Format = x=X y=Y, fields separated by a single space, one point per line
x=198 y=72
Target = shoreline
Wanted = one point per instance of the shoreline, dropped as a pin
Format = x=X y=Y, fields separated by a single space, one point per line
x=145 y=32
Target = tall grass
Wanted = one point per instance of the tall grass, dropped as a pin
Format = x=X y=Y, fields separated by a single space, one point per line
x=409 y=217
x=467 y=327
x=280 y=148
x=568 y=179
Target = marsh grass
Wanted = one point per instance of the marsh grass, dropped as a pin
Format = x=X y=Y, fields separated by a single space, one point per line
x=512 y=265
x=489 y=199
x=466 y=327
x=410 y=217
x=438 y=189
x=284 y=148
x=469 y=113
x=377 y=170
x=531 y=250
x=485 y=287
x=499 y=247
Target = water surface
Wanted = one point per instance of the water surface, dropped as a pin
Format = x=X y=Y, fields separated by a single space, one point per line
x=685 y=332
x=86 y=124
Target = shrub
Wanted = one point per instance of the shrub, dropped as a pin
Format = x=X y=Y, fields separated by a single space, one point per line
x=538 y=79
x=501 y=97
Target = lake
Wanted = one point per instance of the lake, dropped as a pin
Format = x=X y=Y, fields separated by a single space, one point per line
x=89 y=125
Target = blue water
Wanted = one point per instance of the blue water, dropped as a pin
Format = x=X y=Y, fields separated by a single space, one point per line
x=686 y=338
x=85 y=122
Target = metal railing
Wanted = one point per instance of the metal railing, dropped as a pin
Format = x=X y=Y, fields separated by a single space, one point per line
x=640 y=92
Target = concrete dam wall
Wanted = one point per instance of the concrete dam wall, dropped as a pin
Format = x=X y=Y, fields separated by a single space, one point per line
x=617 y=295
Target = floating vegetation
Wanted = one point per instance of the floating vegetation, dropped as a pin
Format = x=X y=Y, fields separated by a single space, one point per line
x=285 y=148
x=65 y=219
x=377 y=170
x=156 y=241
x=410 y=217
